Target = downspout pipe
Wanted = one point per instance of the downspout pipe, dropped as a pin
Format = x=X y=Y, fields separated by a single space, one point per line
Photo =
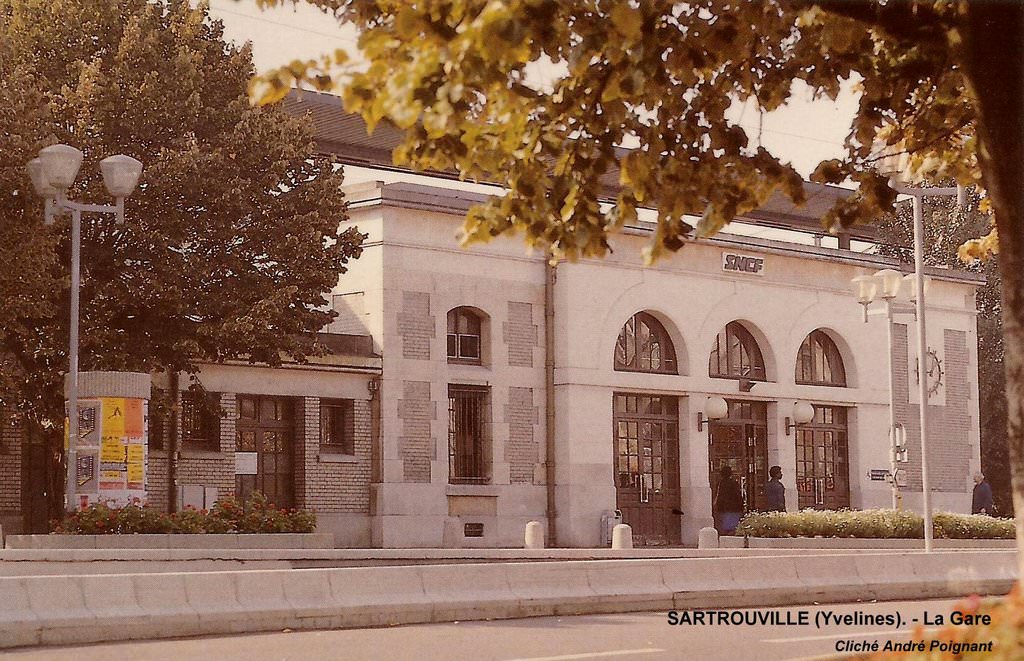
x=550 y=275
x=172 y=442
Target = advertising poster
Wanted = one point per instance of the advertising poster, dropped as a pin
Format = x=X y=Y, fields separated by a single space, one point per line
x=112 y=451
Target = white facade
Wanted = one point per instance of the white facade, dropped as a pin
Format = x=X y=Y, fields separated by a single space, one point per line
x=412 y=273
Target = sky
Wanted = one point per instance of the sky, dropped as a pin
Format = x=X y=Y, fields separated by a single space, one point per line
x=803 y=132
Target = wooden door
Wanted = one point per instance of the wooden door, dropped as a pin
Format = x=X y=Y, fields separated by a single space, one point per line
x=647 y=466
x=266 y=426
x=740 y=441
x=822 y=461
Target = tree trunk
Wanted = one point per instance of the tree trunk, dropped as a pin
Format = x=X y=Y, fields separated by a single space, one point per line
x=995 y=54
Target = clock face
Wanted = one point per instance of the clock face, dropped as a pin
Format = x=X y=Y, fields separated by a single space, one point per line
x=935 y=372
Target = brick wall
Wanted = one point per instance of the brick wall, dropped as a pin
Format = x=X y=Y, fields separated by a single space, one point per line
x=416 y=325
x=415 y=446
x=10 y=463
x=521 y=449
x=520 y=334
x=949 y=449
x=213 y=469
x=332 y=483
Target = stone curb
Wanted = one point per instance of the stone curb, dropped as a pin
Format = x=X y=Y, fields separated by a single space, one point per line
x=51 y=610
x=176 y=541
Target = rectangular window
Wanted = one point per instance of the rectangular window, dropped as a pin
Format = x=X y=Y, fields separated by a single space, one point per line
x=337 y=426
x=200 y=421
x=468 y=451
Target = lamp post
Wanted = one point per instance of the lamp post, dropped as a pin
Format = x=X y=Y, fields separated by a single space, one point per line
x=52 y=173
x=895 y=167
x=888 y=284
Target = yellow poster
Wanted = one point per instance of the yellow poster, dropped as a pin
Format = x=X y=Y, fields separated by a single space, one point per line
x=136 y=473
x=114 y=416
x=112 y=449
x=136 y=453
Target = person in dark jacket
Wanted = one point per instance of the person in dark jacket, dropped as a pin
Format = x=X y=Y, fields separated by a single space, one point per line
x=775 y=491
x=728 y=502
x=982 y=501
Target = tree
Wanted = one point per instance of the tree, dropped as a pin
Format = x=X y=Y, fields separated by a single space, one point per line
x=232 y=237
x=940 y=80
x=947 y=228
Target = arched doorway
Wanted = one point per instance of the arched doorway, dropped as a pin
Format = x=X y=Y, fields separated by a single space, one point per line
x=646 y=436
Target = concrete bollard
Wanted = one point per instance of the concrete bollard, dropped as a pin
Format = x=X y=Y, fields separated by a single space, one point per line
x=622 y=537
x=707 y=538
x=534 y=535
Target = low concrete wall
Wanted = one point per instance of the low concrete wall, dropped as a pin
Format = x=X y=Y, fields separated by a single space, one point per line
x=182 y=541
x=79 y=609
x=733 y=542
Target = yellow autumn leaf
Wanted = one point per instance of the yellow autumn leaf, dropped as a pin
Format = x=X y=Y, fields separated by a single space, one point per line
x=627 y=20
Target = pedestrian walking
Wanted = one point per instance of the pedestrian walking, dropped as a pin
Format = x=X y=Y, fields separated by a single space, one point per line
x=982 y=501
x=728 y=502
x=775 y=491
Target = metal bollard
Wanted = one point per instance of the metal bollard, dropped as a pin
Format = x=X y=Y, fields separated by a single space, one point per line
x=707 y=538
x=534 y=535
x=622 y=537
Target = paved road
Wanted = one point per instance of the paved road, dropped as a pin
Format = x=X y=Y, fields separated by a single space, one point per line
x=632 y=636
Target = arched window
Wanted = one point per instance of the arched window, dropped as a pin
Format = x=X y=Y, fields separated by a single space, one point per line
x=644 y=346
x=464 y=336
x=818 y=362
x=736 y=355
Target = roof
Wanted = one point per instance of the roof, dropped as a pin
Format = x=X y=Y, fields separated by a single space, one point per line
x=344 y=135
x=407 y=195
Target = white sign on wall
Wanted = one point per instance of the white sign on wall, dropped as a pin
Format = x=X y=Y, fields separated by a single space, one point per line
x=245 y=463
x=737 y=263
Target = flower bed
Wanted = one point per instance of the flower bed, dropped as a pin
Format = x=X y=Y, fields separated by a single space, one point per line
x=873 y=524
x=227 y=515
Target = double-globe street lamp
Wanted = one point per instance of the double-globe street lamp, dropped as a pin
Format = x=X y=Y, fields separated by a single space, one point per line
x=52 y=173
x=899 y=294
x=895 y=167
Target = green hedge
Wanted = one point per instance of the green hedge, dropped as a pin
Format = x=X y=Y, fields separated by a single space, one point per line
x=227 y=515
x=874 y=524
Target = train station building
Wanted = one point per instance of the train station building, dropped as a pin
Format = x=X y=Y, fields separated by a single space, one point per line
x=471 y=391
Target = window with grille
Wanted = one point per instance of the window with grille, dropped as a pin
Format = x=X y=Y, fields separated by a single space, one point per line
x=736 y=355
x=468 y=450
x=464 y=336
x=643 y=345
x=337 y=426
x=200 y=420
x=818 y=362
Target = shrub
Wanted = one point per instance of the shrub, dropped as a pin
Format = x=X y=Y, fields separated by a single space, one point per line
x=257 y=515
x=1005 y=632
x=875 y=524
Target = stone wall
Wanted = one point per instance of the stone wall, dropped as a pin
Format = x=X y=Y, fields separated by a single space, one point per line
x=416 y=447
x=949 y=426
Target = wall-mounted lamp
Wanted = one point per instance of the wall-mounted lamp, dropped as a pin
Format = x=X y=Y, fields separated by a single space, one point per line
x=803 y=413
x=716 y=408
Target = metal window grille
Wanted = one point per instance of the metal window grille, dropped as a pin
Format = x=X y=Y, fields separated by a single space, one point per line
x=200 y=420
x=337 y=426
x=467 y=418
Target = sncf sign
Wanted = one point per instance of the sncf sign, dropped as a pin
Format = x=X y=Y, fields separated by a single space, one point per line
x=742 y=263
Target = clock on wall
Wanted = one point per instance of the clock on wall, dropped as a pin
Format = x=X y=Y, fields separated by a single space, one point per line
x=935 y=373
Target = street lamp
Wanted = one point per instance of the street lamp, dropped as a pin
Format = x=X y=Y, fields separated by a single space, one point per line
x=52 y=173
x=895 y=167
x=889 y=285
